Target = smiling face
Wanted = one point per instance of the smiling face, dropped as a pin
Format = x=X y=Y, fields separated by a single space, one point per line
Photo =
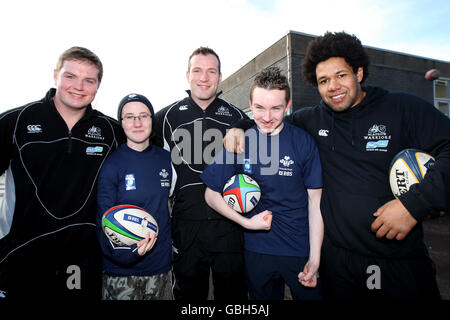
x=339 y=86
x=204 y=78
x=268 y=107
x=76 y=85
x=137 y=125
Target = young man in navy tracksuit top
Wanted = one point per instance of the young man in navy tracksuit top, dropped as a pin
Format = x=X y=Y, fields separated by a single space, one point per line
x=137 y=173
x=373 y=245
x=285 y=230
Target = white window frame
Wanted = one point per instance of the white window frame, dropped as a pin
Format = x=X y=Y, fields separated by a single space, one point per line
x=441 y=100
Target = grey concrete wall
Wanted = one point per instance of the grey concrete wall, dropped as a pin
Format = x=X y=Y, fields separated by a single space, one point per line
x=239 y=95
x=393 y=79
x=303 y=94
x=391 y=70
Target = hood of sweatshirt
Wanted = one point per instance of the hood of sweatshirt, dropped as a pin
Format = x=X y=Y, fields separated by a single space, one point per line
x=352 y=114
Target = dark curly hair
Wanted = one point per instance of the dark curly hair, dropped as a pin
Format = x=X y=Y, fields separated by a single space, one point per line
x=271 y=78
x=339 y=44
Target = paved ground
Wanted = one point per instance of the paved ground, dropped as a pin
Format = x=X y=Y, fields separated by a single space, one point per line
x=437 y=238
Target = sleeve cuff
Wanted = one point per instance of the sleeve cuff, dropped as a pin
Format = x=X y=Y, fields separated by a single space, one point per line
x=416 y=206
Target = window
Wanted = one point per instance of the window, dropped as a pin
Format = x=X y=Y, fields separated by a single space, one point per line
x=444 y=107
x=442 y=95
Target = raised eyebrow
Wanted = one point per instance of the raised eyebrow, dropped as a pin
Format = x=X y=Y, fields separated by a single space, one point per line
x=132 y=114
x=257 y=105
x=260 y=106
x=74 y=75
x=336 y=73
x=91 y=79
x=341 y=71
x=321 y=78
x=207 y=69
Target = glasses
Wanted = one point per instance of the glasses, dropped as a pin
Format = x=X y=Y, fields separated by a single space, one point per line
x=141 y=117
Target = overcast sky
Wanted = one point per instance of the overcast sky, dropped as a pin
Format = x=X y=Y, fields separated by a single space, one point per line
x=144 y=45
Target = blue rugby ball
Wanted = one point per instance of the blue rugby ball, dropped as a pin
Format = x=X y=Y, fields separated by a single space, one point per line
x=126 y=224
x=408 y=167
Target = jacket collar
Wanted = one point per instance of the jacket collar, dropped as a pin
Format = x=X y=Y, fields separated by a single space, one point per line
x=49 y=99
x=211 y=104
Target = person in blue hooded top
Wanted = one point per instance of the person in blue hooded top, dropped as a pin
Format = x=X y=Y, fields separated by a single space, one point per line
x=137 y=173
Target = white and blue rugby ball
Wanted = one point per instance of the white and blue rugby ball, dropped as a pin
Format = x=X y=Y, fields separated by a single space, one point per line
x=241 y=193
x=408 y=167
x=126 y=224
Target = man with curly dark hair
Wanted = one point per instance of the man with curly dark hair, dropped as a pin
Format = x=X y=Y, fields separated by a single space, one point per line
x=330 y=45
x=373 y=245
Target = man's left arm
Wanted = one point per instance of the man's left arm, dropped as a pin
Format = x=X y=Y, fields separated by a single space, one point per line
x=308 y=277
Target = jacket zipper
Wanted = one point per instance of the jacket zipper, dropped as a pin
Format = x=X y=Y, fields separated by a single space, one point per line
x=69 y=147
x=208 y=211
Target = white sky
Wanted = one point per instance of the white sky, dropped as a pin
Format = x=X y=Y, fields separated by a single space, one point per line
x=144 y=45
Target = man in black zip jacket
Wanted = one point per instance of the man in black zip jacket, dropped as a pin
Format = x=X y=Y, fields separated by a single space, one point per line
x=51 y=152
x=192 y=130
x=373 y=246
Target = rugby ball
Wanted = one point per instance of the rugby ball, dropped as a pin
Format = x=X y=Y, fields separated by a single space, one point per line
x=126 y=225
x=408 y=167
x=432 y=74
x=241 y=193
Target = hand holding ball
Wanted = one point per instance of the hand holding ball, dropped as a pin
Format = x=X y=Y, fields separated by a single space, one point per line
x=126 y=225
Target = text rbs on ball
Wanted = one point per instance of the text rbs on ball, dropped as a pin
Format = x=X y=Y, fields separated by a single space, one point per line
x=241 y=193
x=408 y=167
x=126 y=225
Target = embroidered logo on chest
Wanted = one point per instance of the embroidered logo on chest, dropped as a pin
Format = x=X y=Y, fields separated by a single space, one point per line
x=130 y=182
x=94 y=133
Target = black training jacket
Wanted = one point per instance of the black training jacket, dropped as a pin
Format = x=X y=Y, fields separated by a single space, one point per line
x=48 y=215
x=193 y=136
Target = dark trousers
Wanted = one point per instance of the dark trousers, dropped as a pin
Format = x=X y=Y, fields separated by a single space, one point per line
x=197 y=251
x=268 y=274
x=47 y=278
x=350 y=276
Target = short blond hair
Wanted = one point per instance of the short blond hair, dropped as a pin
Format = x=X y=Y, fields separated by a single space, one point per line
x=82 y=54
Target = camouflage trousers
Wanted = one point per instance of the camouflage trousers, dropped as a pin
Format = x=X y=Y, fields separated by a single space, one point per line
x=157 y=287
